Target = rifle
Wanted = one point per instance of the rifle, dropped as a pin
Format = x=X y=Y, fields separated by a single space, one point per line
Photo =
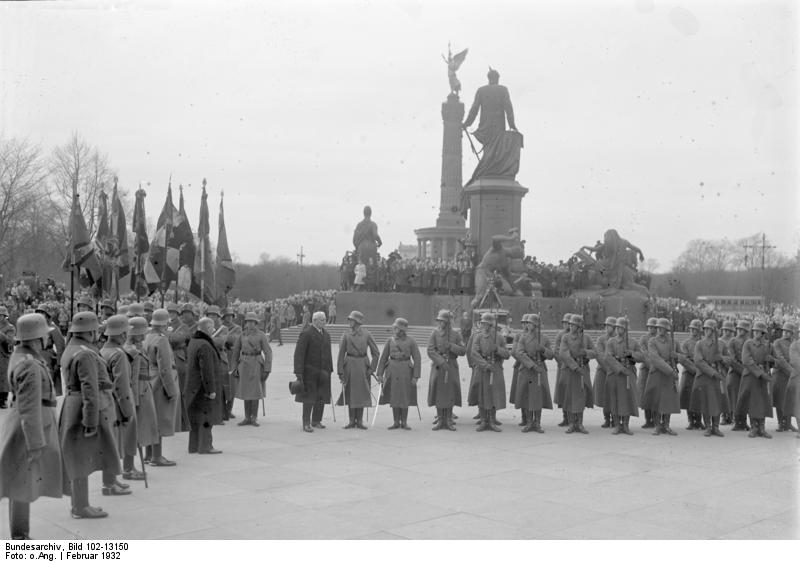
x=672 y=362
x=539 y=352
x=626 y=360
x=717 y=361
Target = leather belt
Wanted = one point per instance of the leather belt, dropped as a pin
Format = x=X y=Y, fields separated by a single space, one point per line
x=251 y=354
x=357 y=356
x=401 y=358
x=100 y=386
x=145 y=378
x=49 y=403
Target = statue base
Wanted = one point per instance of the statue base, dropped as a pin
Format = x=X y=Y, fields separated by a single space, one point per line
x=495 y=208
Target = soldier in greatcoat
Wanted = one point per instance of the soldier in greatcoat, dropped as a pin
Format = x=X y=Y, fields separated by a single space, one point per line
x=7 y=331
x=203 y=405
x=558 y=394
x=178 y=333
x=791 y=405
x=355 y=369
x=142 y=392
x=166 y=392
x=444 y=390
x=728 y=330
x=252 y=359
x=313 y=365
x=661 y=392
x=488 y=351
x=622 y=354
x=709 y=383
x=531 y=349
x=119 y=367
x=53 y=348
x=781 y=373
x=754 y=399
x=399 y=368
x=30 y=456
x=86 y=425
x=234 y=332
x=601 y=374
x=575 y=350
x=644 y=371
x=689 y=372
x=735 y=371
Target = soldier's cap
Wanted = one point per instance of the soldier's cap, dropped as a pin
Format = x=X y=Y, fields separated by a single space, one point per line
x=576 y=320
x=136 y=309
x=187 y=307
x=31 y=327
x=710 y=324
x=213 y=309
x=3 y=311
x=85 y=321
x=251 y=317
x=534 y=319
x=85 y=301
x=137 y=326
x=116 y=325
x=622 y=322
x=652 y=322
x=789 y=327
x=610 y=321
x=444 y=314
x=148 y=306
x=760 y=326
x=42 y=309
x=229 y=312
x=487 y=318
x=743 y=325
x=356 y=316
x=728 y=325
x=108 y=304
x=160 y=317
x=567 y=318
x=123 y=309
x=172 y=307
x=526 y=319
x=400 y=323
x=696 y=324
x=663 y=323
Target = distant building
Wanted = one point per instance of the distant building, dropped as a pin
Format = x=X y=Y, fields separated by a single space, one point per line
x=407 y=251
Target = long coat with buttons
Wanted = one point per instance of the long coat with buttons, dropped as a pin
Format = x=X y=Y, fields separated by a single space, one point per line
x=661 y=393
x=689 y=372
x=575 y=351
x=400 y=361
x=709 y=386
x=87 y=403
x=791 y=406
x=252 y=357
x=31 y=424
x=620 y=398
x=142 y=391
x=533 y=387
x=754 y=396
x=487 y=352
x=444 y=387
x=119 y=366
x=313 y=363
x=166 y=392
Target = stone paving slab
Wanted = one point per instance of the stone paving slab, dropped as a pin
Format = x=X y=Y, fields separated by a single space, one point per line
x=276 y=482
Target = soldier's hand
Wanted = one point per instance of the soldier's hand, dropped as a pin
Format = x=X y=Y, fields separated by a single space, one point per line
x=89 y=431
x=414 y=381
x=35 y=454
x=212 y=395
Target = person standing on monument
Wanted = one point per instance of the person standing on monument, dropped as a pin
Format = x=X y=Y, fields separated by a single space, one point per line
x=365 y=238
x=355 y=369
x=494 y=103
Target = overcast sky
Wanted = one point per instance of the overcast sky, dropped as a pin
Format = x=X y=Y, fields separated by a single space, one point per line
x=668 y=121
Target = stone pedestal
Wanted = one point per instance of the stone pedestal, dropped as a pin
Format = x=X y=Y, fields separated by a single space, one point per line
x=495 y=207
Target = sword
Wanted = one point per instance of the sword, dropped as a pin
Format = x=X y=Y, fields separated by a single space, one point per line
x=141 y=458
x=375 y=416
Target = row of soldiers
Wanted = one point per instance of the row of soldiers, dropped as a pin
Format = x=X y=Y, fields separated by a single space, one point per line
x=127 y=383
x=715 y=379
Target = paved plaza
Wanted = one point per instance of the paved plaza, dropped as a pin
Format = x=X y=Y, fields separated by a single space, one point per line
x=274 y=481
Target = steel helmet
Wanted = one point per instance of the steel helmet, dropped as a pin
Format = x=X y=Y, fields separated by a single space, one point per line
x=31 y=327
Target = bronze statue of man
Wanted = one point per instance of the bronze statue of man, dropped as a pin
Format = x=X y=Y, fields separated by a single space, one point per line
x=494 y=103
x=365 y=238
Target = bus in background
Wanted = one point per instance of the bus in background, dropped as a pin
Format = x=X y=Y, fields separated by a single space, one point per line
x=729 y=304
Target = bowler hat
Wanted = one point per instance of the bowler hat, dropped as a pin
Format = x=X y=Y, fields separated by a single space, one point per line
x=295 y=386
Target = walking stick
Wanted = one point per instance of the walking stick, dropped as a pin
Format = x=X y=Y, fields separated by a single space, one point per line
x=263 y=408
x=141 y=458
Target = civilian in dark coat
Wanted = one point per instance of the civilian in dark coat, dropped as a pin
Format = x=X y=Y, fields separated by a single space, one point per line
x=203 y=404
x=313 y=365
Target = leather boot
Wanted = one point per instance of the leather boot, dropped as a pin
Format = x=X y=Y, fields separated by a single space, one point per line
x=494 y=417
x=579 y=428
x=448 y=419
x=537 y=421
x=690 y=417
x=659 y=421
x=404 y=418
x=648 y=420
x=625 y=429
x=484 y=422
x=754 y=431
x=529 y=421
x=524 y=421
x=667 y=429
x=737 y=424
x=744 y=420
x=438 y=422
x=698 y=418
x=607 y=419
x=571 y=423
x=479 y=417
x=781 y=421
x=617 y=424
x=351 y=415
x=396 y=424
x=491 y=421
x=762 y=429
x=726 y=419
x=715 y=427
x=566 y=421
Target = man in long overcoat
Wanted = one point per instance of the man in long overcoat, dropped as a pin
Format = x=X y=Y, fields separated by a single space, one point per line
x=166 y=392
x=355 y=369
x=203 y=405
x=313 y=365
x=30 y=457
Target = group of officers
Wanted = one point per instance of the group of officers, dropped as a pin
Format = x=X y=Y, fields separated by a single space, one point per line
x=128 y=380
x=717 y=379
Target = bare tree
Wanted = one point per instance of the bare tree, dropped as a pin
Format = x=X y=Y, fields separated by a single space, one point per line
x=650 y=265
x=706 y=255
x=22 y=181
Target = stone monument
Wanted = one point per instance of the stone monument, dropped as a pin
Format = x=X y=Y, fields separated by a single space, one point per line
x=442 y=240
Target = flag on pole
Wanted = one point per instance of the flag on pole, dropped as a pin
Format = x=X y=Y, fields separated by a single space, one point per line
x=203 y=267
x=118 y=243
x=81 y=251
x=141 y=249
x=101 y=241
x=225 y=273
x=186 y=280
